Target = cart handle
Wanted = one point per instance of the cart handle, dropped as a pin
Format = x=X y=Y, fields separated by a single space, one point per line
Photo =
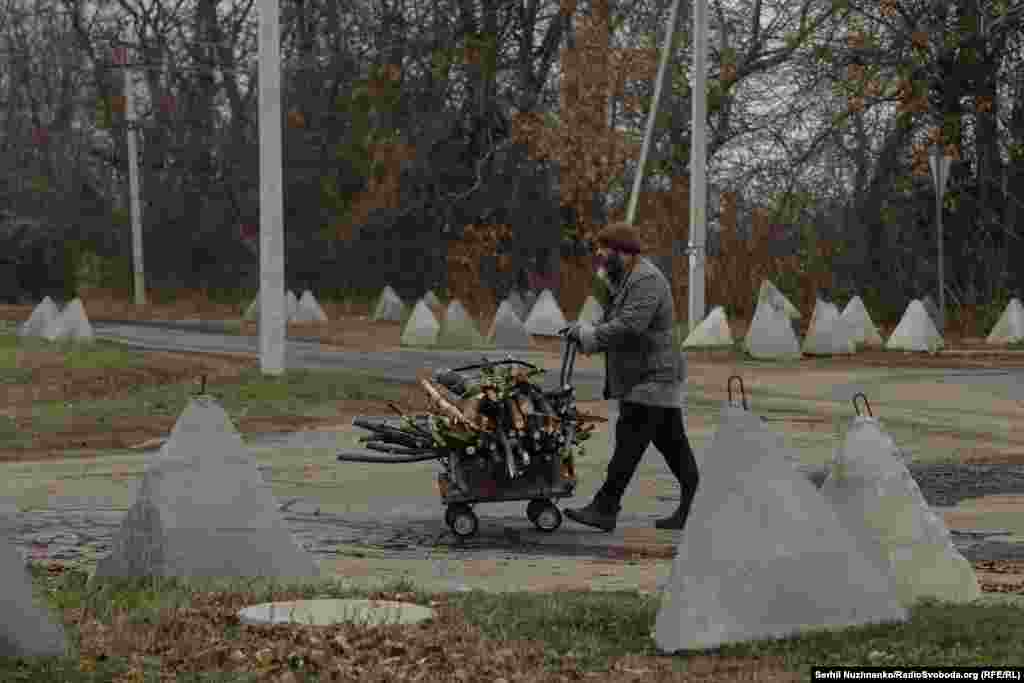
x=568 y=361
x=492 y=363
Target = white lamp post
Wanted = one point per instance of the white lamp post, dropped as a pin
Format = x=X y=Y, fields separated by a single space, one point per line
x=272 y=314
x=698 y=163
x=940 y=163
x=698 y=152
x=134 y=205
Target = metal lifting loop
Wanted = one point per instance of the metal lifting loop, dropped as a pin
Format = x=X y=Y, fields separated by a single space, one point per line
x=866 y=404
x=743 y=393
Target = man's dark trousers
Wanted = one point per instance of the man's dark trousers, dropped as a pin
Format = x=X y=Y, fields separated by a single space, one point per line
x=638 y=425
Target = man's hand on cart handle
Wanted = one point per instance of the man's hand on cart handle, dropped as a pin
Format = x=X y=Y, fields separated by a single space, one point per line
x=571 y=332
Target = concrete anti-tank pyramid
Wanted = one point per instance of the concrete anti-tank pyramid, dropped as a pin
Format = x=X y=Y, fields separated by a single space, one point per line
x=916 y=331
x=862 y=329
x=515 y=300
x=507 y=331
x=788 y=564
x=71 y=324
x=529 y=300
x=291 y=304
x=770 y=293
x=203 y=510
x=875 y=497
x=1010 y=328
x=56 y=328
x=431 y=299
x=771 y=335
x=592 y=310
x=42 y=315
x=712 y=331
x=309 y=310
x=389 y=306
x=459 y=329
x=26 y=627
x=422 y=328
x=827 y=334
x=546 y=317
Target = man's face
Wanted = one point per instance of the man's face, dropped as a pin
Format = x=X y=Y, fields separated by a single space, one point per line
x=611 y=263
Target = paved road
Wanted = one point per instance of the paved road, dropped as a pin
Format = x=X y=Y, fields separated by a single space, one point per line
x=401 y=365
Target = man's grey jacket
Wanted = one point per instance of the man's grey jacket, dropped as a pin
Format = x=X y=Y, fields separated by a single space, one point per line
x=642 y=364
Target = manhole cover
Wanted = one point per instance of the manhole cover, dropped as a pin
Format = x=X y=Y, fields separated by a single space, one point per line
x=327 y=612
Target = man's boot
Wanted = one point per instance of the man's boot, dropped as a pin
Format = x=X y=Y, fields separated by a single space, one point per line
x=598 y=513
x=677 y=520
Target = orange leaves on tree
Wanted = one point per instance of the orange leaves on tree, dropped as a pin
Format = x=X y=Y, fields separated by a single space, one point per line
x=589 y=153
x=464 y=275
x=382 y=188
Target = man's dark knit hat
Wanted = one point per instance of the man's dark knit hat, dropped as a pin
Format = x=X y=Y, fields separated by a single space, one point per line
x=621 y=236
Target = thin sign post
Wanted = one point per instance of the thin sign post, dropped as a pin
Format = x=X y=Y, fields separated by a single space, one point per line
x=940 y=164
x=666 y=51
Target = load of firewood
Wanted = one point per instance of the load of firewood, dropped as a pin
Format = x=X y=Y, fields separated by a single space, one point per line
x=502 y=416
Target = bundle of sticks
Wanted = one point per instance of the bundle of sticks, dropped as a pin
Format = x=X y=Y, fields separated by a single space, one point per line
x=505 y=417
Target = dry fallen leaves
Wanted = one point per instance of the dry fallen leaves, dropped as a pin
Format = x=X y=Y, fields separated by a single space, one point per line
x=193 y=639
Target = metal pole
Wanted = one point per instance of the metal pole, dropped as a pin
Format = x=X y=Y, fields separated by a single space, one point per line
x=698 y=163
x=666 y=50
x=272 y=314
x=138 y=267
x=940 y=164
x=942 y=270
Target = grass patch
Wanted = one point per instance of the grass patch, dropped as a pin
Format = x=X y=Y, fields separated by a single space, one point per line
x=186 y=627
x=99 y=355
x=297 y=393
x=251 y=394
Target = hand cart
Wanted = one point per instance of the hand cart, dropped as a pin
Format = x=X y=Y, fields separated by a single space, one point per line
x=532 y=464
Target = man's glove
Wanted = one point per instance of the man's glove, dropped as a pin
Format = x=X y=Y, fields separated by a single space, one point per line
x=572 y=332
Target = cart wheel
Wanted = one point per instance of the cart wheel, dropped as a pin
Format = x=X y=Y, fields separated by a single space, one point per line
x=534 y=507
x=548 y=517
x=462 y=520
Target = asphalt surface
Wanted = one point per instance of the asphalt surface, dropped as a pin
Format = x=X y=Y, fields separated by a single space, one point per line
x=401 y=366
